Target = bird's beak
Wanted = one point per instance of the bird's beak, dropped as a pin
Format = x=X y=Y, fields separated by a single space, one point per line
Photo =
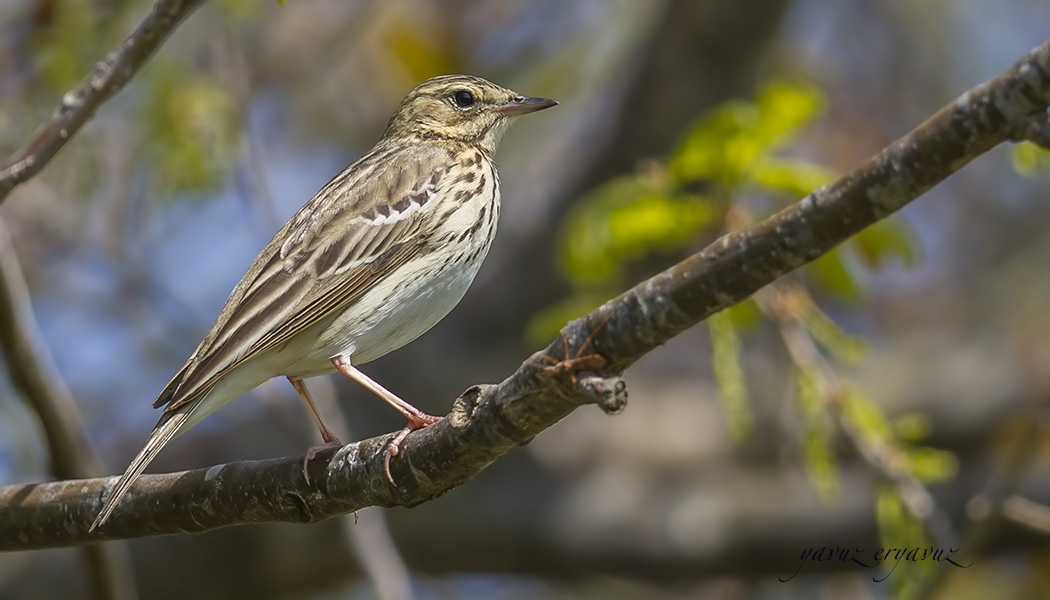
x=522 y=105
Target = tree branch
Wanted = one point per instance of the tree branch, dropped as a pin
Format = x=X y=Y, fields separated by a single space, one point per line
x=488 y=421
x=1038 y=131
x=105 y=80
x=34 y=375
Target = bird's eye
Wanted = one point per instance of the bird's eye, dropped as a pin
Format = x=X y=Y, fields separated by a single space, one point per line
x=463 y=99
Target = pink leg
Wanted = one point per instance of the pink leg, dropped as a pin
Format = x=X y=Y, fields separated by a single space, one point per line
x=417 y=419
x=326 y=435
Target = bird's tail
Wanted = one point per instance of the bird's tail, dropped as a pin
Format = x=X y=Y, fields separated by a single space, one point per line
x=169 y=426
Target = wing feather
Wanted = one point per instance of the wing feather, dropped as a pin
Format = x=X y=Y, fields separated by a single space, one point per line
x=320 y=260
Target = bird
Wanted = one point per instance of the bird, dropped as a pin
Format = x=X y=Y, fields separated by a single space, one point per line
x=377 y=257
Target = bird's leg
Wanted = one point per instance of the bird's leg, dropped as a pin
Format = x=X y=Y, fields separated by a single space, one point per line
x=326 y=435
x=417 y=419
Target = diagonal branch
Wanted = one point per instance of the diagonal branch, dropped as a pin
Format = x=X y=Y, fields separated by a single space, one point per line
x=102 y=83
x=488 y=421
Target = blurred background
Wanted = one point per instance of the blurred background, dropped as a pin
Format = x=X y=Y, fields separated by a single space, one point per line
x=891 y=396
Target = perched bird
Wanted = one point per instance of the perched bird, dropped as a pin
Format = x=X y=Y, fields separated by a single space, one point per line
x=381 y=254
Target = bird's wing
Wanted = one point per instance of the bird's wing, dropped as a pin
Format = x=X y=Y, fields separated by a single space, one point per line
x=356 y=229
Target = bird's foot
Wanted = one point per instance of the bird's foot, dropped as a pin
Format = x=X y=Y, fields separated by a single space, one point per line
x=577 y=363
x=417 y=420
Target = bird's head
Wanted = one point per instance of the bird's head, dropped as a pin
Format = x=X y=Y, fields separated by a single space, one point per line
x=460 y=108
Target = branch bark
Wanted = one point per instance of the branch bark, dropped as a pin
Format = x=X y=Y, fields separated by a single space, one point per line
x=488 y=421
x=103 y=82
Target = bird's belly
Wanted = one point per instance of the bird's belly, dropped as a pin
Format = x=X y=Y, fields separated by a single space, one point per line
x=392 y=313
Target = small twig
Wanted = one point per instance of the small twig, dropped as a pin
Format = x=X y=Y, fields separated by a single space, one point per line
x=1028 y=514
x=378 y=556
x=987 y=510
x=80 y=103
x=781 y=305
x=370 y=539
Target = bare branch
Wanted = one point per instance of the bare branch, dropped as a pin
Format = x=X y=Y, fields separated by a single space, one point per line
x=28 y=361
x=1028 y=514
x=486 y=422
x=34 y=375
x=105 y=80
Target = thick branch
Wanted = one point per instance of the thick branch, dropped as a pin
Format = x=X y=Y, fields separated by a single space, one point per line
x=486 y=422
x=104 y=81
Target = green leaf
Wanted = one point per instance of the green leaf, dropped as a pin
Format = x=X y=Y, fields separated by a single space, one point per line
x=825 y=331
x=830 y=274
x=931 y=465
x=912 y=427
x=1029 y=159
x=897 y=527
x=817 y=452
x=725 y=357
x=867 y=417
x=545 y=325
x=744 y=315
x=887 y=240
x=900 y=532
x=718 y=146
x=725 y=145
x=68 y=47
x=193 y=129
x=787 y=107
x=625 y=219
x=797 y=178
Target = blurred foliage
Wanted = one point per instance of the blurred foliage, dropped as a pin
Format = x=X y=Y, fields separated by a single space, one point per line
x=192 y=129
x=725 y=358
x=826 y=332
x=734 y=145
x=191 y=122
x=900 y=532
x=420 y=46
x=729 y=156
x=1030 y=160
x=78 y=35
x=627 y=219
x=922 y=463
x=539 y=327
x=817 y=432
x=667 y=208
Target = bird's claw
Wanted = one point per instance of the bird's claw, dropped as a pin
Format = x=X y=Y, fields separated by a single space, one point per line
x=313 y=451
x=418 y=421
